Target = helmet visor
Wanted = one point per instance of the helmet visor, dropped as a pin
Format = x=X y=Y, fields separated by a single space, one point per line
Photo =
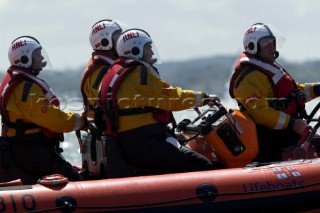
x=46 y=64
x=40 y=60
x=156 y=56
x=263 y=42
x=122 y=25
x=116 y=34
x=279 y=36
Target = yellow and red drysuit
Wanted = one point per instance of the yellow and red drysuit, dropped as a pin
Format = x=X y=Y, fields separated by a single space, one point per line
x=269 y=94
x=95 y=71
x=138 y=104
x=33 y=123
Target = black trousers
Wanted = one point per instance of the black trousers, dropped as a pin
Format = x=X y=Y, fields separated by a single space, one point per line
x=146 y=147
x=272 y=141
x=36 y=156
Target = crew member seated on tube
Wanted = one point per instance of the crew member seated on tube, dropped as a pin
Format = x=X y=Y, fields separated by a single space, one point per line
x=103 y=39
x=269 y=94
x=32 y=121
x=139 y=107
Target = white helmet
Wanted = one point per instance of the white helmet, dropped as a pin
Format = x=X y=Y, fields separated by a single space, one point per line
x=101 y=34
x=131 y=43
x=21 y=49
x=253 y=35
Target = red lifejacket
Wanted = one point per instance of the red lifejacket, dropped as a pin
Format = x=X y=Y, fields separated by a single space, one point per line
x=283 y=84
x=12 y=78
x=98 y=59
x=108 y=91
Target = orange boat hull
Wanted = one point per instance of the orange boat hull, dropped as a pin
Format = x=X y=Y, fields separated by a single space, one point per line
x=289 y=186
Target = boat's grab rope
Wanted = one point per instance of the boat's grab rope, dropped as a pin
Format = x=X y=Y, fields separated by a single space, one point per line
x=205 y=196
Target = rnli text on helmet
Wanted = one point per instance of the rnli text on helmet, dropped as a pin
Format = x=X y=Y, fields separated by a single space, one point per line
x=130 y=35
x=251 y=30
x=98 y=28
x=18 y=44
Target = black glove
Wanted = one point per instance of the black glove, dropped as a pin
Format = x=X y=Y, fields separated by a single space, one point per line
x=210 y=99
x=86 y=123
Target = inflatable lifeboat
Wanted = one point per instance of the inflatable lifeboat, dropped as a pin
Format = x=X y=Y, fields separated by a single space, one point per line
x=239 y=185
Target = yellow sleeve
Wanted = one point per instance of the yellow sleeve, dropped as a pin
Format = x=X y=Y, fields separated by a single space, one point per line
x=253 y=93
x=155 y=93
x=37 y=109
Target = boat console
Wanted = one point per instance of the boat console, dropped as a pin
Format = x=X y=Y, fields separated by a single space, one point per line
x=230 y=134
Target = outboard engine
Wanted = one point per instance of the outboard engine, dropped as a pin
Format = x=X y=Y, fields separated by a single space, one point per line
x=93 y=152
x=231 y=135
x=102 y=156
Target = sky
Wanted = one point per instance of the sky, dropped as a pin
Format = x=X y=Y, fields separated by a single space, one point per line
x=181 y=29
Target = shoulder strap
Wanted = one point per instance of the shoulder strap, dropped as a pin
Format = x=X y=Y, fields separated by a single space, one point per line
x=85 y=76
x=109 y=87
x=100 y=76
x=19 y=125
x=243 y=74
x=144 y=75
x=238 y=77
x=97 y=82
x=10 y=85
x=26 y=90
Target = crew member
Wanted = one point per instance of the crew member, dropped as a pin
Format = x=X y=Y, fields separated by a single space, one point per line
x=265 y=90
x=139 y=107
x=32 y=121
